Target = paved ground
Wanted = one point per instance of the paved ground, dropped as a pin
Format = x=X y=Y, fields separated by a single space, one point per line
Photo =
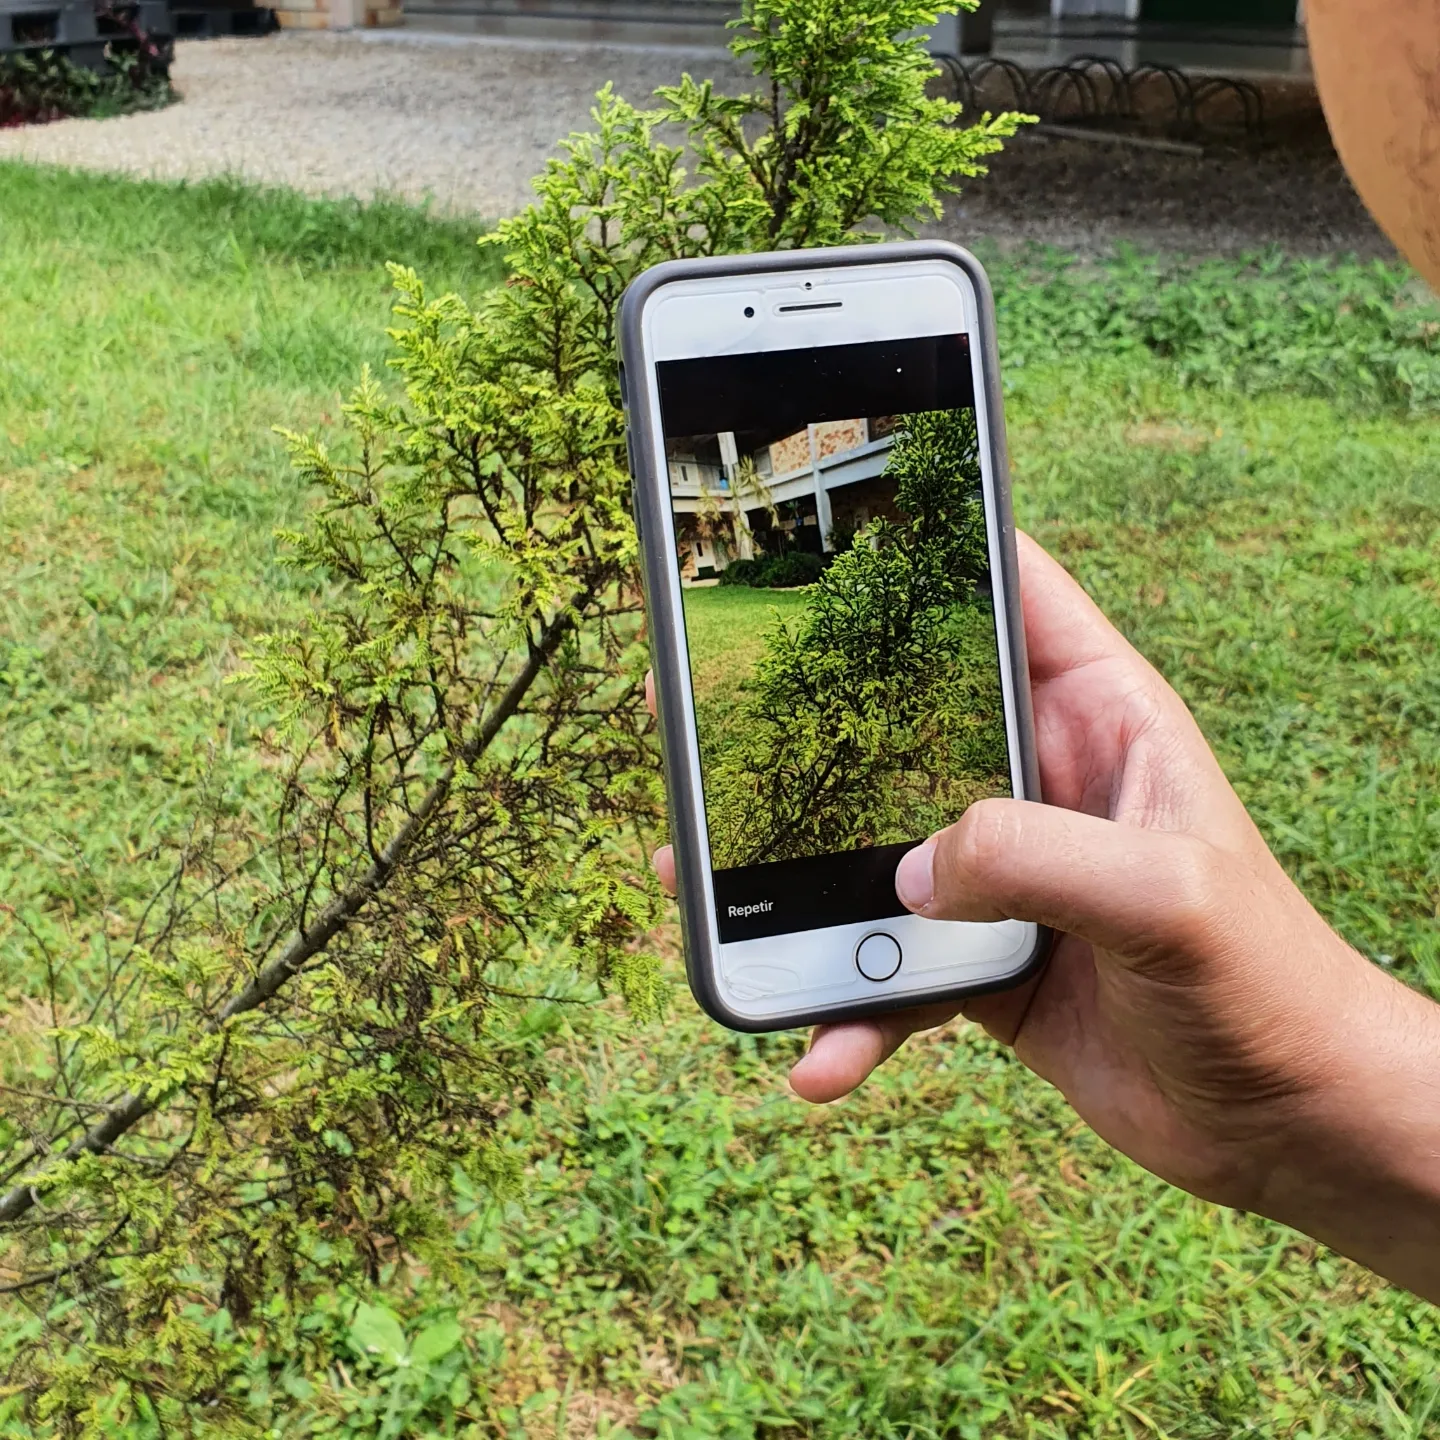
x=468 y=121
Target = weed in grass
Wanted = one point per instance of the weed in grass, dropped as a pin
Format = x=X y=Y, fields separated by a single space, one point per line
x=468 y=773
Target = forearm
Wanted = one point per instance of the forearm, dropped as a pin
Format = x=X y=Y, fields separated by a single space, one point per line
x=1377 y=63
x=1363 y=1176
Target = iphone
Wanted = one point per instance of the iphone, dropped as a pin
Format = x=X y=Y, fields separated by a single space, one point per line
x=821 y=493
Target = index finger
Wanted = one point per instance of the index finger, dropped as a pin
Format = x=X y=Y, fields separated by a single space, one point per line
x=842 y=1057
x=1064 y=628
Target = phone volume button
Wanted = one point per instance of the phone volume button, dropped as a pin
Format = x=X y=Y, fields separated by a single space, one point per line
x=634 y=485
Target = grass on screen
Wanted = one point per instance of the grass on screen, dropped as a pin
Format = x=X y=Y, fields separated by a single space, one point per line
x=725 y=629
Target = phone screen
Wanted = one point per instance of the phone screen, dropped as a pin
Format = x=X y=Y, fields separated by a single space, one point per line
x=830 y=537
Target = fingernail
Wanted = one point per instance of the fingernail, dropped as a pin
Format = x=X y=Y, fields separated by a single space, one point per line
x=915 y=876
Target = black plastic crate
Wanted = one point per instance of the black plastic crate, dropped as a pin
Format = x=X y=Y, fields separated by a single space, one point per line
x=81 y=30
x=47 y=27
x=211 y=22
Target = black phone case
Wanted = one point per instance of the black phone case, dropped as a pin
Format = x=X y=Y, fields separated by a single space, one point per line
x=652 y=520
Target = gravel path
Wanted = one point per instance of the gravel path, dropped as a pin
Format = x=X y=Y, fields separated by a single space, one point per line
x=468 y=121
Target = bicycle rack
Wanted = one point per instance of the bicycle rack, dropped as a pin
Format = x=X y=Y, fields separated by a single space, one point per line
x=1096 y=92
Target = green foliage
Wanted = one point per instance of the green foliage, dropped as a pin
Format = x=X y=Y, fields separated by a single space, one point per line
x=1278 y=561
x=689 y=1250
x=307 y=1051
x=47 y=86
x=777 y=572
x=840 y=132
x=417 y=1379
x=847 y=133
x=1367 y=334
x=262 y=1075
x=876 y=713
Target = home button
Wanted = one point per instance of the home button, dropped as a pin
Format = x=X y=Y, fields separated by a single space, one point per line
x=877 y=956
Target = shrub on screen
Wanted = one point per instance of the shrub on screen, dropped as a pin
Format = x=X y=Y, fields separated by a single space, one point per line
x=875 y=713
x=775 y=572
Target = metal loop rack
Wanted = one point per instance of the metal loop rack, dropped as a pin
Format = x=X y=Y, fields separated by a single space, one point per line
x=1097 y=93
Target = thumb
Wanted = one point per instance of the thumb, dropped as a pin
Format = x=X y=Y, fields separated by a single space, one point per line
x=1135 y=892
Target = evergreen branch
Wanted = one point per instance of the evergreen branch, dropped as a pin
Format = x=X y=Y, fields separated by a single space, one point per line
x=29 y=1282
x=126 y=1113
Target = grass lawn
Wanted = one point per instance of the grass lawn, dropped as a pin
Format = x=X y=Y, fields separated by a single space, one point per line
x=695 y=1253
x=725 y=629
x=152 y=336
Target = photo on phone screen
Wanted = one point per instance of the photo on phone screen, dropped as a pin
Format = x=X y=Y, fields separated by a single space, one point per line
x=830 y=538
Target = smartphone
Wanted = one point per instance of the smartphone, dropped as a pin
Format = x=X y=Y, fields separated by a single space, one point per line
x=822 y=498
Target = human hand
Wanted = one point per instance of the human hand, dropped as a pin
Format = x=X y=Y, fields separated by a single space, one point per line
x=1197 y=1012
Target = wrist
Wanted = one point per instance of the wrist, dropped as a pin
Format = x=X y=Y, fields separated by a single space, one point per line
x=1360 y=1170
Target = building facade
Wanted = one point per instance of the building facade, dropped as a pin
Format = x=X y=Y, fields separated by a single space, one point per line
x=738 y=496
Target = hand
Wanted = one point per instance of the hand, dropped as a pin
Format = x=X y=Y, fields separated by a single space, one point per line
x=1196 y=1012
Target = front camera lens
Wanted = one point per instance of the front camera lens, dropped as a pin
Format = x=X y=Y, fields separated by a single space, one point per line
x=749 y=312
